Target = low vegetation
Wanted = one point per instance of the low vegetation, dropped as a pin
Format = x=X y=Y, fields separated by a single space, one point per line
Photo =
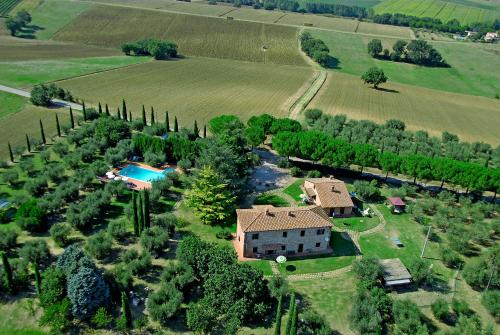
x=417 y=52
x=157 y=48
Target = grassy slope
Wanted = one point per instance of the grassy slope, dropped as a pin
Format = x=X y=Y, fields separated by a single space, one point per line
x=10 y=103
x=28 y=73
x=472 y=118
x=465 y=11
x=464 y=76
x=195 y=88
x=195 y=35
x=27 y=121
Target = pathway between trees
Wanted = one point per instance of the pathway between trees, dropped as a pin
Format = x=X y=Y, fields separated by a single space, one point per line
x=26 y=94
x=308 y=95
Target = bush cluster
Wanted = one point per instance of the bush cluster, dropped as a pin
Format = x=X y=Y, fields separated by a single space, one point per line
x=159 y=49
x=418 y=52
x=315 y=49
x=42 y=95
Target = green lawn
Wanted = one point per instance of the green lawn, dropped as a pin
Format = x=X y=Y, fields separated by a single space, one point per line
x=29 y=73
x=464 y=76
x=10 y=103
x=52 y=15
x=262 y=265
x=344 y=252
x=411 y=235
x=271 y=199
x=294 y=190
x=356 y=223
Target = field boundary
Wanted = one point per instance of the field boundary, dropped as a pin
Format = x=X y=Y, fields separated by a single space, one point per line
x=301 y=103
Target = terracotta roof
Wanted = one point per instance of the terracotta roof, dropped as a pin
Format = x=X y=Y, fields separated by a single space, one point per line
x=396 y=201
x=331 y=192
x=269 y=218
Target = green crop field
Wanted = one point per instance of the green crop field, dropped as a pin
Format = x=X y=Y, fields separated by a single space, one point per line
x=16 y=49
x=465 y=11
x=10 y=103
x=359 y=3
x=29 y=73
x=464 y=76
x=195 y=35
x=26 y=121
x=472 y=118
x=196 y=88
x=6 y=6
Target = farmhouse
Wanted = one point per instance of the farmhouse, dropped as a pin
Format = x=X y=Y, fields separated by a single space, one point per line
x=395 y=273
x=331 y=194
x=268 y=231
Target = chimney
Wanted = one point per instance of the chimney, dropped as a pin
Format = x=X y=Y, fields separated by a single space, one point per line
x=331 y=177
x=333 y=188
x=290 y=213
x=267 y=211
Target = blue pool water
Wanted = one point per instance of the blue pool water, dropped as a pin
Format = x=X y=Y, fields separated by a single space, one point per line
x=146 y=175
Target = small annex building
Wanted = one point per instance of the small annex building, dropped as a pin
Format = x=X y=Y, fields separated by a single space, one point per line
x=268 y=231
x=331 y=194
x=397 y=204
x=395 y=274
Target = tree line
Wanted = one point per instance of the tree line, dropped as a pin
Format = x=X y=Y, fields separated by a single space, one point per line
x=158 y=49
x=16 y=23
x=416 y=51
x=315 y=48
x=42 y=95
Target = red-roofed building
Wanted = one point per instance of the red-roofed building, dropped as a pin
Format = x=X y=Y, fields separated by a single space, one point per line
x=397 y=204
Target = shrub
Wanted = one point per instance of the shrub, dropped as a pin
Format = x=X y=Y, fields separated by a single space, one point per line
x=8 y=239
x=123 y=276
x=72 y=259
x=295 y=171
x=368 y=270
x=460 y=307
x=311 y=323
x=36 y=186
x=284 y=163
x=180 y=274
x=491 y=300
x=101 y=318
x=367 y=190
x=99 y=245
x=440 y=309
x=184 y=164
x=60 y=234
x=35 y=251
x=31 y=217
x=137 y=263
x=164 y=303
x=53 y=287
x=278 y=286
x=87 y=292
x=10 y=176
x=314 y=174
x=154 y=239
x=118 y=229
x=421 y=272
x=224 y=235
x=58 y=316
x=450 y=258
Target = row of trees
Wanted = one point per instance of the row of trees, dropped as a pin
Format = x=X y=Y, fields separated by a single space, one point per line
x=16 y=23
x=315 y=48
x=393 y=136
x=317 y=146
x=42 y=95
x=158 y=49
x=416 y=51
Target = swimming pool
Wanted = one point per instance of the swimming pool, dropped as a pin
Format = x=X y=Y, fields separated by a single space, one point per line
x=142 y=174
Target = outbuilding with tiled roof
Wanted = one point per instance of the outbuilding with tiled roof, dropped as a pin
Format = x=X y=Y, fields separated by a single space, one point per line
x=331 y=194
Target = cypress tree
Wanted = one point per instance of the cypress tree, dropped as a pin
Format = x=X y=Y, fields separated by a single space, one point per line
x=38 y=279
x=28 y=144
x=152 y=116
x=130 y=116
x=277 y=328
x=205 y=131
x=106 y=108
x=147 y=216
x=11 y=155
x=58 y=127
x=100 y=108
x=124 y=110
x=176 y=125
x=291 y=308
x=126 y=310
x=196 y=131
x=293 y=327
x=42 y=132
x=141 y=215
x=84 y=112
x=144 y=121
x=167 y=122
x=136 y=217
x=71 y=118
x=9 y=281
x=118 y=115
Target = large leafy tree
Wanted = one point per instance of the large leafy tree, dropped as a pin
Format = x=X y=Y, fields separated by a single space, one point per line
x=87 y=291
x=210 y=198
x=374 y=76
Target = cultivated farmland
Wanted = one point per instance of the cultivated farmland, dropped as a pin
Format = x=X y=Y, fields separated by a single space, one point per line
x=195 y=88
x=463 y=11
x=6 y=6
x=472 y=118
x=464 y=76
x=16 y=49
x=195 y=35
